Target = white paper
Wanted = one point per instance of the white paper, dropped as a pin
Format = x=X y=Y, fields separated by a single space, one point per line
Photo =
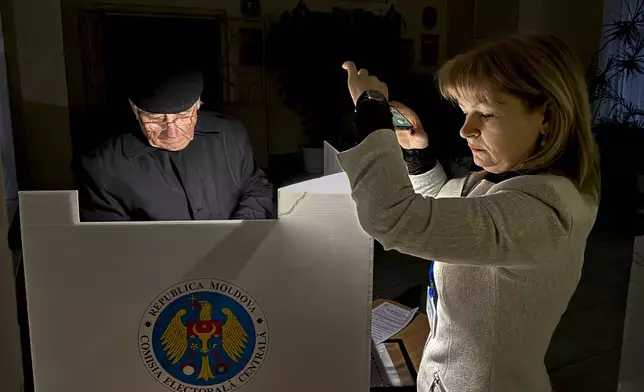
x=387 y=320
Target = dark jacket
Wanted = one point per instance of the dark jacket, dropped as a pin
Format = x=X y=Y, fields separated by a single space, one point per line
x=214 y=177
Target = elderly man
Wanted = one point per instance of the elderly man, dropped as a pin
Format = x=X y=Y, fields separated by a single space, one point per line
x=179 y=163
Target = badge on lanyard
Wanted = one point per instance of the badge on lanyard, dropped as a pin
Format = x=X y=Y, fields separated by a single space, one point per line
x=432 y=301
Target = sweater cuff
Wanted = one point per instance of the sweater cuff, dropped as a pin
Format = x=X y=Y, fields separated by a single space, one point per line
x=372 y=116
x=419 y=161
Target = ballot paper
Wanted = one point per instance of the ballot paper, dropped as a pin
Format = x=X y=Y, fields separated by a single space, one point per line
x=387 y=320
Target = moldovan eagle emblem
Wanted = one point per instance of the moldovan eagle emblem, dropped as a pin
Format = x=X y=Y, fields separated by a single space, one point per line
x=203 y=333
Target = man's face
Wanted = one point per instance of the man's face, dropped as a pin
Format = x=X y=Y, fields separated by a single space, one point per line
x=172 y=132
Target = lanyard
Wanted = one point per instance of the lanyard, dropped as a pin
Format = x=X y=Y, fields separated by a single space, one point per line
x=432 y=302
x=431 y=290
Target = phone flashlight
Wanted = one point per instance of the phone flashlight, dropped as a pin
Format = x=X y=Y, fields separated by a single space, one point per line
x=400 y=121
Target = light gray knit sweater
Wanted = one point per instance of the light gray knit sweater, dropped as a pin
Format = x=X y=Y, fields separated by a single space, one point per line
x=508 y=258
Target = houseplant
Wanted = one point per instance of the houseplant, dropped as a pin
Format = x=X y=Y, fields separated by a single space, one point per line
x=616 y=79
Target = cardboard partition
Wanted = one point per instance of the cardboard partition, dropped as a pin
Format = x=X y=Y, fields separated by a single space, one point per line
x=631 y=377
x=280 y=305
x=331 y=163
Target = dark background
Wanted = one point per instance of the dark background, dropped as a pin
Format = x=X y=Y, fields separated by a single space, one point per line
x=56 y=49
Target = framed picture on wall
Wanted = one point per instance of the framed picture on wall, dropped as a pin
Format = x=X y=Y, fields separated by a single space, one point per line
x=244 y=62
x=429 y=50
x=251 y=47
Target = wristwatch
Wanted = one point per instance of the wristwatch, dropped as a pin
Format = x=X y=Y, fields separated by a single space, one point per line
x=372 y=95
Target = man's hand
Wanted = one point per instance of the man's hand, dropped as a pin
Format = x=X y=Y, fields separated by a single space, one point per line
x=410 y=139
x=360 y=81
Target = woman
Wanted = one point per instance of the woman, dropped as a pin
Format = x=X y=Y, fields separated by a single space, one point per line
x=508 y=242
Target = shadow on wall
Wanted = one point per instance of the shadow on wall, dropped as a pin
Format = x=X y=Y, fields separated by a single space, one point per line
x=48 y=155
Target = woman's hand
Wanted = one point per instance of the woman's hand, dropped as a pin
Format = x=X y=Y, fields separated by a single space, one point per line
x=410 y=139
x=360 y=81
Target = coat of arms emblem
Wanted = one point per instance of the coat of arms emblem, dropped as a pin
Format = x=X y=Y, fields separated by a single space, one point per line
x=203 y=333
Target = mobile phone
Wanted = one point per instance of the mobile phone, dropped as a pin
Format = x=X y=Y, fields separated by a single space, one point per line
x=400 y=121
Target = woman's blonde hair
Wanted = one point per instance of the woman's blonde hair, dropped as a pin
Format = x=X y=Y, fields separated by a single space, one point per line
x=541 y=71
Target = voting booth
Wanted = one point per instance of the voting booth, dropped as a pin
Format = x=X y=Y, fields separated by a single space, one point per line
x=212 y=306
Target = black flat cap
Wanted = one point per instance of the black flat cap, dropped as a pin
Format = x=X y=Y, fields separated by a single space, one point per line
x=166 y=92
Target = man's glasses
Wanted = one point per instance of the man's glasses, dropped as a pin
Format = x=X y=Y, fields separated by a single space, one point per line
x=160 y=126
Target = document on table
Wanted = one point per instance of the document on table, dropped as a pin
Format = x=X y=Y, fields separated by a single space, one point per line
x=387 y=320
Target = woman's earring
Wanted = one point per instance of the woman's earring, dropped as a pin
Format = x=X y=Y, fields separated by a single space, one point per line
x=543 y=139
